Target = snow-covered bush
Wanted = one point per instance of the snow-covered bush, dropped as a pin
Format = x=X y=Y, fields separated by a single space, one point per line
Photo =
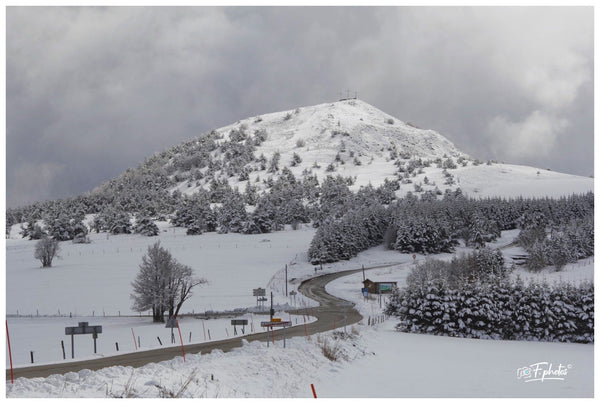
x=296 y=159
x=497 y=310
x=46 y=249
x=33 y=231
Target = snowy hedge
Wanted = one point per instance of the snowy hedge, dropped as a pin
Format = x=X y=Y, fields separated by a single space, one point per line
x=501 y=310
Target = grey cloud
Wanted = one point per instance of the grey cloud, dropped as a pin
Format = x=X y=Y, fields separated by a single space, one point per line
x=95 y=90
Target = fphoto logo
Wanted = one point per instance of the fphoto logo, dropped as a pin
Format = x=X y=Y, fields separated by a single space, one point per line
x=542 y=371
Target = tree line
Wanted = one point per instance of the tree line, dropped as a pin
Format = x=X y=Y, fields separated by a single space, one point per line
x=472 y=297
x=431 y=226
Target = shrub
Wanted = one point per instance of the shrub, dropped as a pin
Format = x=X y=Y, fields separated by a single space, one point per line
x=46 y=249
x=331 y=350
x=497 y=310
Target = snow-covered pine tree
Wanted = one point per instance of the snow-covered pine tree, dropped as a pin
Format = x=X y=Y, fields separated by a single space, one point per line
x=232 y=214
x=274 y=162
x=120 y=223
x=146 y=227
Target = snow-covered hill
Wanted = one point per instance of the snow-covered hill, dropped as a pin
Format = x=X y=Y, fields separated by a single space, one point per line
x=354 y=139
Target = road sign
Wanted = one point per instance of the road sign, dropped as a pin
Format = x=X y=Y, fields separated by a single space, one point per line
x=259 y=292
x=365 y=292
x=239 y=322
x=83 y=328
x=275 y=323
x=171 y=323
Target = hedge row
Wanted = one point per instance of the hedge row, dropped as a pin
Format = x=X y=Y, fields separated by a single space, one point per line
x=502 y=310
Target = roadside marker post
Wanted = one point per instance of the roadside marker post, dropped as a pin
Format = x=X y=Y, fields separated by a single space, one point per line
x=12 y=379
x=180 y=339
x=134 y=342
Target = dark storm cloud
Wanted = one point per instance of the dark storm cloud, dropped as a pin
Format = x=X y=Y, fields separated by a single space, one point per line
x=92 y=91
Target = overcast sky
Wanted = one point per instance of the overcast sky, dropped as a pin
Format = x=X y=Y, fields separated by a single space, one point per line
x=93 y=91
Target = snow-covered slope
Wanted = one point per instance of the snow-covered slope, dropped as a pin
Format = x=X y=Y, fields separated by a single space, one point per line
x=354 y=139
x=507 y=180
x=345 y=127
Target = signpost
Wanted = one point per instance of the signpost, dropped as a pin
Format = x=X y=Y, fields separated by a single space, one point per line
x=276 y=322
x=171 y=323
x=293 y=293
x=262 y=301
x=83 y=328
x=243 y=322
x=260 y=294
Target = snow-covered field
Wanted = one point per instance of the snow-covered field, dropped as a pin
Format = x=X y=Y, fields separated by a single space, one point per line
x=375 y=361
x=95 y=279
x=92 y=281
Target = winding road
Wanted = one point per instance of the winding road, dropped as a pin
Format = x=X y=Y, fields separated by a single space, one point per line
x=331 y=311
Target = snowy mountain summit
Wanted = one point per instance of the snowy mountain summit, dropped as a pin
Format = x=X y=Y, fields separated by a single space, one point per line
x=349 y=138
x=349 y=127
x=353 y=139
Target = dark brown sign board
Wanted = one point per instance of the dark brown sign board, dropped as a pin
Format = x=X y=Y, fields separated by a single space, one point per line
x=239 y=322
x=83 y=328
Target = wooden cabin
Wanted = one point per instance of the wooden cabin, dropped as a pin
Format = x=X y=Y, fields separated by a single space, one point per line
x=379 y=287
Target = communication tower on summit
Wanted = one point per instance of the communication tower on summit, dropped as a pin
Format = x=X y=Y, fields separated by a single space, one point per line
x=348 y=96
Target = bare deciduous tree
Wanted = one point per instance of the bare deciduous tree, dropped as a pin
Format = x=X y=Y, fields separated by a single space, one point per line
x=162 y=284
x=46 y=250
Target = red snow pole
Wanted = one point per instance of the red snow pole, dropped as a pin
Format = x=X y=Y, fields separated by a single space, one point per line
x=134 y=343
x=180 y=339
x=312 y=386
x=12 y=379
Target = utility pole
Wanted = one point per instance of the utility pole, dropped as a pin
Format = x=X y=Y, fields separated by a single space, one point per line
x=271 y=312
x=286 y=281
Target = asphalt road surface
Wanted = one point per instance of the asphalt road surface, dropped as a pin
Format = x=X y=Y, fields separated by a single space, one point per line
x=331 y=313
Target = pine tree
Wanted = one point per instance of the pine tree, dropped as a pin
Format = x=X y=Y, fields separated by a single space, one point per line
x=146 y=227
x=232 y=214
